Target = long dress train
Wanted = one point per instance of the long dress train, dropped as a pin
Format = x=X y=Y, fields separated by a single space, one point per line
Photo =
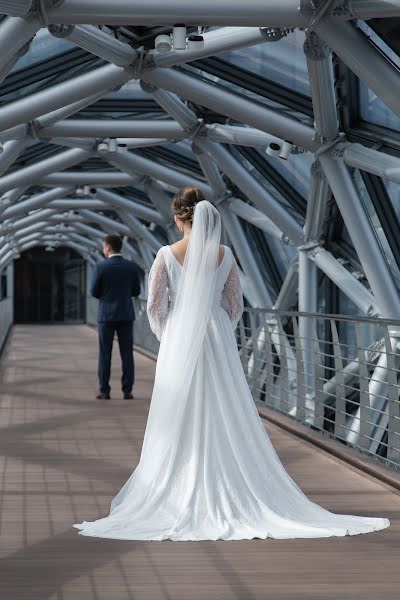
x=217 y=475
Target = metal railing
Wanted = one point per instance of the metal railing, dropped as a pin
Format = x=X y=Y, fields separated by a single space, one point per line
x=142 y=334
x=337 y=374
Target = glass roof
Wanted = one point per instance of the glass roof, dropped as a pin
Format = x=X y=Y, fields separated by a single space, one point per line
x=273 y=74
x=372 y=108
x=378 y=229
x=283 y=62
x=393 y=190
x=43 y=46
x=295 y=170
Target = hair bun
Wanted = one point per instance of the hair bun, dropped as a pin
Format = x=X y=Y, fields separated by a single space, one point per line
x=184 y=201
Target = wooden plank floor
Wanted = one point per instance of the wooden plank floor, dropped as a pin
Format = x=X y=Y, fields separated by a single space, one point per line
x=64 y=455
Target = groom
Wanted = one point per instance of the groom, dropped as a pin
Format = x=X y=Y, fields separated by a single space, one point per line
x=115 y=281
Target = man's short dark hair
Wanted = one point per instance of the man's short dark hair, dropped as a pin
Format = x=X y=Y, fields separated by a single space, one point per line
x=114 y=241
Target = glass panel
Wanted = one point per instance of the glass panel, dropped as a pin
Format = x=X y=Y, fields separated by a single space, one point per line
x=130 y=89
x=283 y=61
x=379 y=233
x=295 y=170
x=372 y=108
x=233 y=87
x=393 y=190
x=257 y=175
x=43 y=46
x=283 y=254
x=290 y=172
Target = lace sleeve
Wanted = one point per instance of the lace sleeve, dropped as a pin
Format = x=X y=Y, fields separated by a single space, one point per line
x=232 y=297
x=157 y=299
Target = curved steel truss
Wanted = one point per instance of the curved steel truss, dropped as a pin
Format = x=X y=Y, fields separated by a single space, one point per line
x=69 y=172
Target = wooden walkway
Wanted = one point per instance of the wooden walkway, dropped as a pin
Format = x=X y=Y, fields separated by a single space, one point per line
x=64 y=455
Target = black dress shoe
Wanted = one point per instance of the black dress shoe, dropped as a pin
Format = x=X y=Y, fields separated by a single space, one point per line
x=103 y=396
x=128 y=396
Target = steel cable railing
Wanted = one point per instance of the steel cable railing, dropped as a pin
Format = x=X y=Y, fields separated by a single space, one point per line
x=342 y=379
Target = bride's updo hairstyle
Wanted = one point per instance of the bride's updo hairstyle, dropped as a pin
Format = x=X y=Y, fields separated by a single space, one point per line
x=184 y=201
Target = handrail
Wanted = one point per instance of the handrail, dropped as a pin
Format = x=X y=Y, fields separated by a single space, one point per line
x=335 y=373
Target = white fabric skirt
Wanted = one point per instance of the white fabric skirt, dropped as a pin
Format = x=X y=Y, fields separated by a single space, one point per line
x=218 y=475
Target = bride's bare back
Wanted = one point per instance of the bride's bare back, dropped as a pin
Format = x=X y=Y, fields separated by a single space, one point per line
x=179 y=250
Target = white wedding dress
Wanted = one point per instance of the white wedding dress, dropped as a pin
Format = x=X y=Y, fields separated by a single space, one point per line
x=208 y=469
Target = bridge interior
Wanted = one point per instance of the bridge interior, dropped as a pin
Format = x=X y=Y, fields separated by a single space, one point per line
x=64 y=456
x=286 y=115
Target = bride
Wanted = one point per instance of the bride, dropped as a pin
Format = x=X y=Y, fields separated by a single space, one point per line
x=207 y=469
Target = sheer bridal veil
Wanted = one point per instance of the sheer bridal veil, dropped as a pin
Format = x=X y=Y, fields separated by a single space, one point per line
x=187 y=321
x=180 y=347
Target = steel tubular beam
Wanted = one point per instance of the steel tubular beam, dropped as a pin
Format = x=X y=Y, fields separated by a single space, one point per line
x=226 y=38
x=260 y=293
x=92 y=178
x=254 y=13
x=257 y=290
x=82 y=143
x=243 y=136
x=105 y=223
x=33 y=173
x=66 y=111
x=307 y=273
x=133 y=163
x=58 y=236
x=142 y=142
x=173 y=106
x=88 y=230
x=365 y=243
x=91 y=216
x=5 y=248
x=140 y=232
x=138 y=210
x=72 y=90
x=320 y=72
x=232 y=105
x=257 y=218
x=307 y=302
x=38 y=225
x=345 y=281
x=11 y=151
x=367 y=159
x=15 y=33
x=288 y=294
x=374 y=9
x=78 y=203
x=11 y=197
x=49 y=118
x=319 y=195
x=13 y=226
x=364 y=60
x=162 y=202
x=97 y=42
x=144 y=128
x=39 y=216
x=307 y=285
x=254 y=190
x=37 y=201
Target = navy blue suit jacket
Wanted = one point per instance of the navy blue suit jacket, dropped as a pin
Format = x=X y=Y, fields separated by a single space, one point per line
x=114 y=283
